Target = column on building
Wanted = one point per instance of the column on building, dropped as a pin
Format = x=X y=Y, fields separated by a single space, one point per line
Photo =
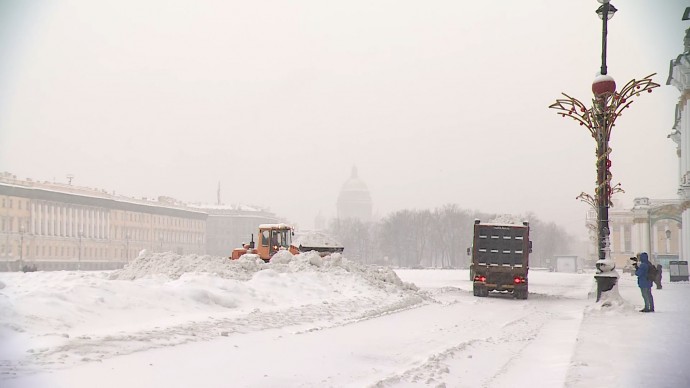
x=70 y=221
x=107 y=225
x=51 y=220
x=34 y=218
x=65 y=220
x=640 y=225
x=638 y=236
x=59 y=219
x=685 y=232
x=680 y=241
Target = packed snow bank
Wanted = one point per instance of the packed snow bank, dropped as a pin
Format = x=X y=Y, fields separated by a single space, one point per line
x=174 y=266
x=315 y=239
x=64 y=318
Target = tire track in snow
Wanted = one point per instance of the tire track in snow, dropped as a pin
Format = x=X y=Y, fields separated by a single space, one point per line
x=452 y=366
x=87 y=348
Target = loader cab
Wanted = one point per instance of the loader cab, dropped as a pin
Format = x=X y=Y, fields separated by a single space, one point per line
x=272 y=238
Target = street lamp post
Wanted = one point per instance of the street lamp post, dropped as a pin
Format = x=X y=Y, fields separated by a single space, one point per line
x=605 y=12
x=607 y=106
x=603 y=87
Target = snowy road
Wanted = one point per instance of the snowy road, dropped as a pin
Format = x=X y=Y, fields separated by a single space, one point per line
x=500 y=341
x=439 y=335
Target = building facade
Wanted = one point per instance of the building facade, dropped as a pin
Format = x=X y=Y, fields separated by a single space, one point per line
x=651 y=225
x=228 y=227
x=679 y=77
x=59 y=226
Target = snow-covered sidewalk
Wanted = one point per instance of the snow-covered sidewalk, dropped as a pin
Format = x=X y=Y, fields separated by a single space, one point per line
x=622 y=347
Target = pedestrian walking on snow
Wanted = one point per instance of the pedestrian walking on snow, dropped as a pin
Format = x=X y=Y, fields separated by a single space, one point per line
x=641 y=270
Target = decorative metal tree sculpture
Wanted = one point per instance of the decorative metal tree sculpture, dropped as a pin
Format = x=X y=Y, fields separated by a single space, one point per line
x=607 y=106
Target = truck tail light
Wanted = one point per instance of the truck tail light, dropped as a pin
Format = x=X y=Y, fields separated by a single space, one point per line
x=518 y=280
x=480 y=278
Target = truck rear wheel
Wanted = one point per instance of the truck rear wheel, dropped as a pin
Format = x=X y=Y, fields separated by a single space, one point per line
x=481 y=291
x=520 y=293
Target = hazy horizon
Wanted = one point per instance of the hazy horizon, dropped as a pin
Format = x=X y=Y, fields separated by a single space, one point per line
x=434 y=103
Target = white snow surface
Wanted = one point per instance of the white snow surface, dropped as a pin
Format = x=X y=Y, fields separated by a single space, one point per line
x=306 y=321
x=315 y=239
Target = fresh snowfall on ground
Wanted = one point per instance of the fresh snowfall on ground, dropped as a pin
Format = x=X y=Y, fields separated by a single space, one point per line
x=304 y=321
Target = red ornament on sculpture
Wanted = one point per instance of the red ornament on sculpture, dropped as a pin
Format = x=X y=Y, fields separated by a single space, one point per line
x=603 y=85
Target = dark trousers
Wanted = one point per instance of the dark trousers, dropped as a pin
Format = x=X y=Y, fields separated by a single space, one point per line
x=648 y=298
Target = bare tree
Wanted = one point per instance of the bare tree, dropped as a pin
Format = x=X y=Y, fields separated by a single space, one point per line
x=438 y=238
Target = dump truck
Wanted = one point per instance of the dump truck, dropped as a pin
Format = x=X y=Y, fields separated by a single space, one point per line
x=500 y=258
x=275 y=237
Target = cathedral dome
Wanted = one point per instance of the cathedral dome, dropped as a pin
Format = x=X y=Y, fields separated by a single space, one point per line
x=354 y=200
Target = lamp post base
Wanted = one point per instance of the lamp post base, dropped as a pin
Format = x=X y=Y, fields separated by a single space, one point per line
x=605 y=282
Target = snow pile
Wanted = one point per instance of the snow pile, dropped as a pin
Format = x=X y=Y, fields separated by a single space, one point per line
x=507 y=219
x=315 y=239
x=610 y=303
x=174 y=266
x=281 y=257
x=381 y=277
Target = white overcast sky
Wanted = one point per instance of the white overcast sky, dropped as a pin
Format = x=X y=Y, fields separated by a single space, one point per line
x=435 y=102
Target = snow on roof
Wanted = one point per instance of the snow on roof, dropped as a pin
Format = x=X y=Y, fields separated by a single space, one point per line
x=92 y=193
x=275 y=226
x=246 y=208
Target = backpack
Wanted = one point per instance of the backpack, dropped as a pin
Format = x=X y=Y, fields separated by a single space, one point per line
x=652 y=272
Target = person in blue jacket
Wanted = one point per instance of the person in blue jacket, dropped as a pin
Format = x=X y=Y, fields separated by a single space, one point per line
x=645 y=285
